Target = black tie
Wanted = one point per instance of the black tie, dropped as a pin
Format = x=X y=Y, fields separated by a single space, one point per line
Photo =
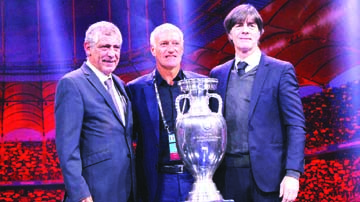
x=241 y=68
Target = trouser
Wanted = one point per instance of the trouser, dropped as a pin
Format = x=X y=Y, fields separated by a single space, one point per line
x=174 y=187
x=240 y=186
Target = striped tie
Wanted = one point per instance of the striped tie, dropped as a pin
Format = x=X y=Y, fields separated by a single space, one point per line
x=121 y=107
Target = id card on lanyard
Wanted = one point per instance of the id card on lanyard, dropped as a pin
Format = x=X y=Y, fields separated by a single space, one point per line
x=174 y=154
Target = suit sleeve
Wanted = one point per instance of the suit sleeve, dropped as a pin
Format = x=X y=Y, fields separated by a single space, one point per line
x=69 y=112
x=293 y=119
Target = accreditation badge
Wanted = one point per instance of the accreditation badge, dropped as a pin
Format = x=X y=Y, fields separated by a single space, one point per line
x=174 y=155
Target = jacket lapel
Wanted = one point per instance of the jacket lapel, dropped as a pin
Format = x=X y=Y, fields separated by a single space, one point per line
x=223 y=83
x=151 y=104
x=94 y=80
x=120 y=86
x=259 y=80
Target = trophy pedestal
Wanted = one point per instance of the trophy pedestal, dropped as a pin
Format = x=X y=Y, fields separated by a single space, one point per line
x=228 y=200
x=205 y=191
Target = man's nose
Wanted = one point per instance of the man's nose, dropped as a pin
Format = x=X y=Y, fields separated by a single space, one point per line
x=171 y=47
x=112 y=52
x=246 y=28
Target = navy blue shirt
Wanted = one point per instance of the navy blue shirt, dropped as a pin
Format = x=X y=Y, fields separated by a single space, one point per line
x=168 y=95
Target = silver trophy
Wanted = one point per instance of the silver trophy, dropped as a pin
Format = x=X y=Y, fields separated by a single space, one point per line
x=200 y=136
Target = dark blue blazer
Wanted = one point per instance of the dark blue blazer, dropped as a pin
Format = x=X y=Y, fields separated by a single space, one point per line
x=276 y=121
x=146 y=126
x=93 y=145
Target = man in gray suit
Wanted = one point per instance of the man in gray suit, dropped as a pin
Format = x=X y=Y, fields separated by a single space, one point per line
x=94 y=124
x=264 y=116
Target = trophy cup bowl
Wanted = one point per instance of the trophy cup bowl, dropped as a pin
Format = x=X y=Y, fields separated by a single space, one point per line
x=200 y=136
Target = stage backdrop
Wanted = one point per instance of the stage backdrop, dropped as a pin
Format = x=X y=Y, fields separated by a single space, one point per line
x=41 y=40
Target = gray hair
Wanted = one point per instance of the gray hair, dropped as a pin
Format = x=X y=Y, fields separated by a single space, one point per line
x=162 y=28
x=103 y=27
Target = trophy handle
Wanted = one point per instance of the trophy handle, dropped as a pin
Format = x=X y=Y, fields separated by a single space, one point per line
x=177 y=103
x=216 y=96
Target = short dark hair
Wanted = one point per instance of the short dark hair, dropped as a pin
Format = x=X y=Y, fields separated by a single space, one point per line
x=239 y=14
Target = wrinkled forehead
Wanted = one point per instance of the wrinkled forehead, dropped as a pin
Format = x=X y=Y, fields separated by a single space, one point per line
x=246 y=18
x=108 y=39
x=168 y=35
x=111 y=34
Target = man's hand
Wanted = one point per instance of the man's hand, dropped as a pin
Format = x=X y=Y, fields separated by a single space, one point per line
x=289 y=189
x=87 y=199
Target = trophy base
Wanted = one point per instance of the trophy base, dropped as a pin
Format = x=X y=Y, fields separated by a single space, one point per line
x=205 y=191
x=227 y=200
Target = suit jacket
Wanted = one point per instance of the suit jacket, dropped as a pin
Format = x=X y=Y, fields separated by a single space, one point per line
x=146 y=126
x=93 y=145
x=276 y=121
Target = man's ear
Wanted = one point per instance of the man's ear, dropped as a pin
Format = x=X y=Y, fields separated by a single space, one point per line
x=87 y=48
x=152 y=49
x=262 y=32
x=230 y=39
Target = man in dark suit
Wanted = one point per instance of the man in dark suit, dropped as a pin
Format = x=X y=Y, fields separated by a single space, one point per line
x=94 y=124
x=161 y=173
x=264 y=116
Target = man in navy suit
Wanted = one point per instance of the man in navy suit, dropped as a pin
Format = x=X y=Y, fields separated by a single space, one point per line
x=264 y=115
x=93 y=128
x=161 y=173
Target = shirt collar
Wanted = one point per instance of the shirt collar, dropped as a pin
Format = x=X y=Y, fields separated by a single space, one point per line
x=252 y=60
x=102 y=77
x=160 y=80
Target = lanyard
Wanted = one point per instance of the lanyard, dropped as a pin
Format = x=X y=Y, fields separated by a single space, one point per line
x=173 y=153
x=160 y=105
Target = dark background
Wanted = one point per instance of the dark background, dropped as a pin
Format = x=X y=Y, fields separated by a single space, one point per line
x=41 y=40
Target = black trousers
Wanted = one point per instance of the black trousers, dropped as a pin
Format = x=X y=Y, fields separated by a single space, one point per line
x=240 y=186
